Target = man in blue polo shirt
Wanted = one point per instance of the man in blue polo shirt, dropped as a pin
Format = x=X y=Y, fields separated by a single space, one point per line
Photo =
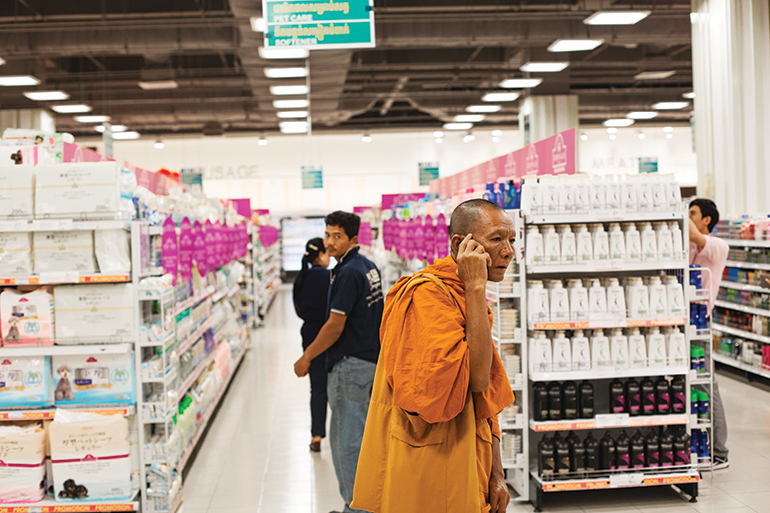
x=351 y=339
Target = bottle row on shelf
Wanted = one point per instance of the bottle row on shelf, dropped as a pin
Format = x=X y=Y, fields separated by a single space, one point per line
x=748 y=352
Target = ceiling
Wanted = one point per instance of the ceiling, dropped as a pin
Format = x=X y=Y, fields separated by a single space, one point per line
x=433 y=59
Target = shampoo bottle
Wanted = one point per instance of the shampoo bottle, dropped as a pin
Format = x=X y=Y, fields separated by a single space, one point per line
x=623 y=451
x=591 y=446
x=600 y=351
x=677 y=348
x=534 y=250
x=578 y=301
x=649 y=243
x=586 y=400
x=581 y=352
x=601 y=242
x=633 y=243
x=554 y=401
x=658 y=299
x=607 y=459
x=585 y=252
x=676 y=237
x=665 y=242
x=656 y=348
x=616 y=300
x=597 y=301
x=617 y=397
x=562 y=352
x=675 y=298
x=649 y=406
x=540 y=396
x=633 y=398
x=552 y=246
x=570 y=400
x=559 y=302
x=568 y=245
x=637 y=348
x=619 y=349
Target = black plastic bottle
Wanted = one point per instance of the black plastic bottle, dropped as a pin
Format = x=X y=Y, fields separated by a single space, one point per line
x=638 y=459
x=561 y=448
x=682 y=448
x=577 y=454
x=652 y=450
x=554 y=401
x=545 y=451
x=607 y=452
x=666 y=449
x=540 y=396
x=617 y=397
x=586 y=400
x=570 y=400
x=663 y=396
x=648 y=397
x=623 y=450
x=591 y=446
x=633 y=398
x=678 y=398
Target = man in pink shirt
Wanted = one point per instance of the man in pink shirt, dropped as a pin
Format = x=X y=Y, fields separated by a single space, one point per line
x=710 y=252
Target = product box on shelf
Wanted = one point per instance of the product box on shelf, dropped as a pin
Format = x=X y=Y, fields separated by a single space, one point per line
x=26 y=319
x=102 y=313
x=16 y=192
x=90 y=457
x=64 y=251
x=112 y=251
x=16 y=254
x=77 y=190
x=22 y=478
x=25 y=382
x=83 y=380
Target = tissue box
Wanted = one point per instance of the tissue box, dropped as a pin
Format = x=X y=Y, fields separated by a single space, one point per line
x=25 y=382
x=22 y=474
x=90 y=458
x=15 y=254
x=26 y=319
x=77 y=190
x=93 y=380
x=64 y=251
x=102 y=313
x=17 y=192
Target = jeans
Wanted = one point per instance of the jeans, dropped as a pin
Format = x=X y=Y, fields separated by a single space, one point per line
x=349 y=389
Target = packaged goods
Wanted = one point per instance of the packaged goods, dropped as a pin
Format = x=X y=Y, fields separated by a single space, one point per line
x=104 y=313
x=112 y=251
x=25 y=382
x=22 y=463
x=77 y=190
x=16 y=254
x=16 y=192
x=26 y=319
x=82 y=380
x=64 y=251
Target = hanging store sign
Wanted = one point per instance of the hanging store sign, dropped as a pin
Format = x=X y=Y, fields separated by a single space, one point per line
x=319 y=24
x=428 y=172
x=312 y=177
x=648 y=164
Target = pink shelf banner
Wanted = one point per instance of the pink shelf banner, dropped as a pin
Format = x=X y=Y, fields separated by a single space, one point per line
x=430 y=242
x=419 y=239
x=388 y=200
x=199 y=247
x=242 y=207
x=365 y=234
x=169 y=250
x=74 y=153
x=211 y=247
x=219 y=249
x=186 y=248
x=441 y=237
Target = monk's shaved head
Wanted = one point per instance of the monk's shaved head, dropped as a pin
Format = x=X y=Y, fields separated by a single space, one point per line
x=467 y=215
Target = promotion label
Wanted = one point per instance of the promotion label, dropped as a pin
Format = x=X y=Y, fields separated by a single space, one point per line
x=169 y=251
x=199 y=248
x=186 y=248
x=211 y=247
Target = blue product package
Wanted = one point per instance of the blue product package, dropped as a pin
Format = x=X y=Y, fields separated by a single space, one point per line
x=83 y=380
x=25 y=382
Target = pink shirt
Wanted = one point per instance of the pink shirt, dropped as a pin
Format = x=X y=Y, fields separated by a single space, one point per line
x=713 y=256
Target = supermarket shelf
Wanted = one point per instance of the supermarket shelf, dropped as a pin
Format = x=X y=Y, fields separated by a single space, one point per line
x=620 y=480
x=748 y=243
x=638 y=372
x=220 y=334
x=741 y=308
x=49 y=505
x=159 y=343
x=65 y=278
x=740 y=333
x=585 y=325
x=604 y=267
x=67 y=350
x=608 y=421
x=195 y=373
x=732 y=362
x=743 y=286
x=699 y=378
x=48 y=414
x=61 y=225
x=166 y=380
x=228 y=293
x=699 y=294
x=747 y=265
x=156 y=230
x=516 y=339
x=603 y=216
x=195 y=300
x=197 y=334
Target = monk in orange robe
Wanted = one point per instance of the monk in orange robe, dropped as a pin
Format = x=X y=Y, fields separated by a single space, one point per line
x=432 y=437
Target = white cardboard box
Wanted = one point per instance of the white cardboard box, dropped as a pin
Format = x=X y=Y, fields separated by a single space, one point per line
x=17 y=192
x=64 y=252
x=95 y=313
x=77 y=190
x=15 y=254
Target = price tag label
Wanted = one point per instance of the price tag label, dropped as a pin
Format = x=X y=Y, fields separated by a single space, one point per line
x=613 y=420
x=60 y=277
x=14 y=226
x=619 y=480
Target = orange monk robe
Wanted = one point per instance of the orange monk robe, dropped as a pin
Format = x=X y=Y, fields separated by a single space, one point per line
x=427 y=446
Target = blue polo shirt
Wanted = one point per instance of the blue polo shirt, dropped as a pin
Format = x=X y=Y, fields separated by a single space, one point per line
x=356 y=292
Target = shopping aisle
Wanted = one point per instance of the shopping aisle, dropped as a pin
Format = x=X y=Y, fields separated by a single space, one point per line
x=255 y=457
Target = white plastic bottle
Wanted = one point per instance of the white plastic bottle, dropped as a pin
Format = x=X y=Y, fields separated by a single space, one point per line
x=562 y=352
x=582 y=195
x=644 y=194
x=617 y=243
x=559 y=302
x=649 y=243
x=633 y=243
x=675 y=298
x=612 y=192
x=578 y=301
x=537 y=308
x=674 y=193
x=658 y=299
x=585 y=251
x=637 y=348
x=542 y=353
x=676 y=237
x=552 y=246
x=619 y=349
x=616 y=300
x=550 y=191
x=566 y=195
x=601 y=242
x=597 y=301
x=601 y=355
x=629 y=195
x=531 y=196
x=665 y=242
x=568 y=245
x=598 y=194
x=581 y=351
x=656 y=348
x=659 y=196
x=677 y=348
x=534 y=249
x=638 y=299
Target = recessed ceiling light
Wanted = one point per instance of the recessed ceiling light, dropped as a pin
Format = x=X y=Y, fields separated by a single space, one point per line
x=669 y=136
x=124 y=136
x=288 y=90
x=500 y=97
x=641 y=115
x=458 y=126
x=641 y=135
x=258 y=24
x=612 y=130
x=619 y=122
x=670 y=105
x=262 y=141
x=113 y=128
x=544 y=67
x=654 y=75
x=439 y=140
x=616 y=17
x=520 y=83
x=47 y=96
x=92 y=119
x=292 y=114
x=469 y=118
x=583 y=137
x=469 y=138
x=495 y=139
x=366 y=138
x=574 y=45
x=21 y=80
x=285 y=72
x=293 y=127
x=71 y=109
x=689 y=96
x=158 y=84
x=280 y=53
x=291 y=104
x=158 y=145
x=2 y=61
x=497 y=133
x=668 y=129
x=483 y=108
x=438 y=134
x=613 y=137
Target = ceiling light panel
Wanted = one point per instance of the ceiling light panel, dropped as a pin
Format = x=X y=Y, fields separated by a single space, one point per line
x=292 y=114
x=654 y=75
x=158 y=84
x=280 y=53
x=689 y=96
x=20 y=80
x=293 y=127
x=500 y=97
x=544 y=67
x=71 y=109
x=641 y=115
x=483 y=108
x=291 y=104
x=288 y=90
x=619 y=122
x=47 y=96
x=520 y=83
x=285 y=72
x=616 y=17
x=469 y=118
x=670 y=105
x=458 y=126
x=124 y=136
x=92 y=119
x=574 y=45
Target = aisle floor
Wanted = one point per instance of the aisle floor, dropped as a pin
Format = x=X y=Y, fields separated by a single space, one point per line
x=255 y=457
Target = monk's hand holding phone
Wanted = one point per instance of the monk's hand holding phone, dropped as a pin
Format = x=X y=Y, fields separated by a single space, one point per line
x=473 y=263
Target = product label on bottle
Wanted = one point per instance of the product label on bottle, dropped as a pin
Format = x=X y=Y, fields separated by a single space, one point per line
x=582 y=200
x=633 y=245
x=664 y=402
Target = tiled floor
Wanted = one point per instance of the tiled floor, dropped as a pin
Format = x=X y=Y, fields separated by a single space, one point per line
x=255 y=456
